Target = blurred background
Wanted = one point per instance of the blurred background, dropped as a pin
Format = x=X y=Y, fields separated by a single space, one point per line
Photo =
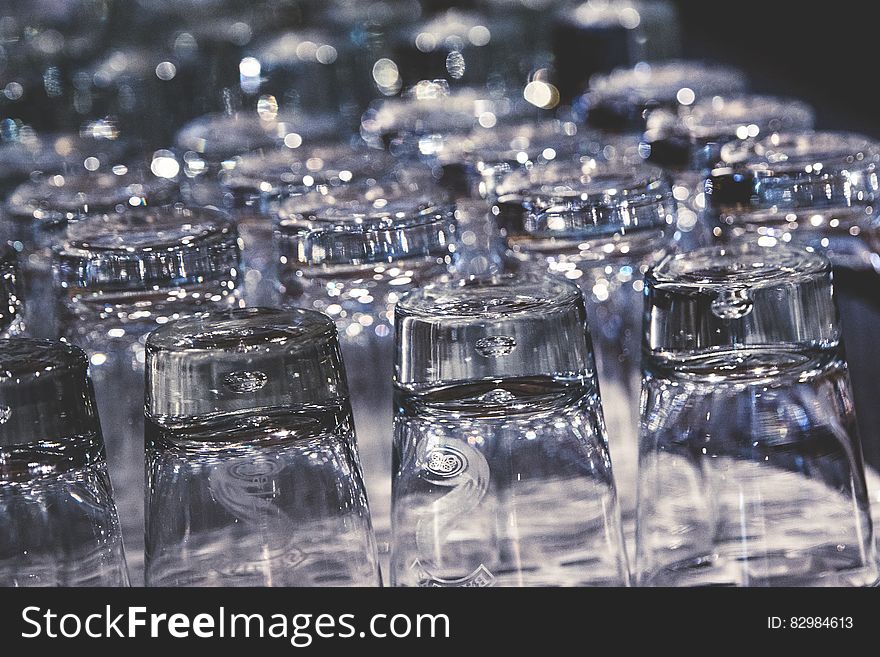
x=145 y=67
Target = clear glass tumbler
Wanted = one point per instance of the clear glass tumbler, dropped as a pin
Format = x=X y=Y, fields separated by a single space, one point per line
x=751 y=469
x=501 y=468
x=418 y=123
x=58 y=522
x=117 y=278
x=599 y=224
x=819 y=189
x=351 y=253
x=25 y=151
x=619 y=101
x=257 y=183
x=38 y=212
x=688 y=142
x=254 y=478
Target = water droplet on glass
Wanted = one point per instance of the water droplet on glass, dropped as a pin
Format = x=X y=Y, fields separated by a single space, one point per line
x=494 y=346
x=497 y=396
x=732 y=304
x=245 y=381
x=5 y=414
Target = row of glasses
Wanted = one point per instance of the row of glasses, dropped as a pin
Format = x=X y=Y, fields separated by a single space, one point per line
x=750 y=469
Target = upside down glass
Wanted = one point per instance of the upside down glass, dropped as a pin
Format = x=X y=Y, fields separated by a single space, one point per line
x=598 y=224
x=254 y=478
x=820 y=189
x=750 y=464
x=39 y=211
x=118 y=277
x=620 y=100
x=688 y=141
x=257 y=183
x=501 y=468
x=58 y=522
x=351 y=253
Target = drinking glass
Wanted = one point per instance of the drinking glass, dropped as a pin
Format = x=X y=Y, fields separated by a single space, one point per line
x=688 y=141
x=418 y=123
x=256 y=184
x=600 y=224
x=351 y=252
x=751 y=469
x=597 y=36
x=58 y=519
x=818 y=189
x=501 y=468
x=619 y=101
x=254 y=478
x=208 y=141
x=38 y=211
x=118 y=277
x=25 y=152
x=473 y=163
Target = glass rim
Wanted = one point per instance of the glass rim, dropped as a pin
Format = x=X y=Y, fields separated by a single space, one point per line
x=62 y=197
x=516 y=143
x=220 y=136
x=604 y=200
x=798 y=169
x=430 y=107
x=357 y=224
x=663 y=80
x=51 y=152
x=85 y=236
x=797 y=148
x=281 y=171
x=731 y=118
x=737 y=266
x=509 y=295
x=240 y=329
x=21 y=357
x=93 y=257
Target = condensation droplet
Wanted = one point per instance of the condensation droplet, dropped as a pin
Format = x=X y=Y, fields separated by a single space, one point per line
x=5 y=414
x=245 y=381
x=732 y=304
x=494 y=346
